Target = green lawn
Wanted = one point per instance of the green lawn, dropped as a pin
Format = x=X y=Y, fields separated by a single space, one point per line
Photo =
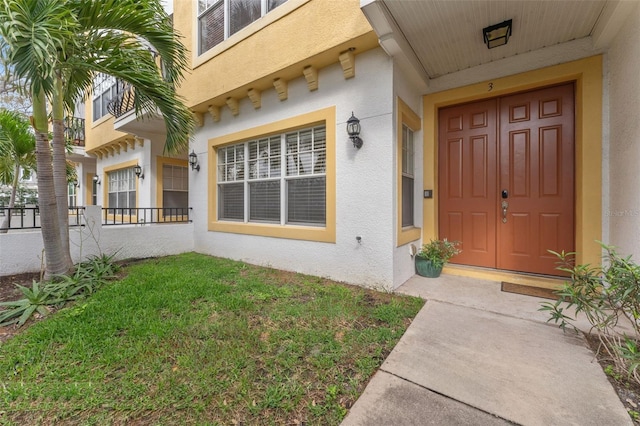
x=193 y=339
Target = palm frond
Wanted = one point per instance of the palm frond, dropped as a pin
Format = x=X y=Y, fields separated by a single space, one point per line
x=35 y=32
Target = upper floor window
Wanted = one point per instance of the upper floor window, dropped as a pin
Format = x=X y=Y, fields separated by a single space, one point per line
x=278 y=179
x=105 y=88
x=220 y=19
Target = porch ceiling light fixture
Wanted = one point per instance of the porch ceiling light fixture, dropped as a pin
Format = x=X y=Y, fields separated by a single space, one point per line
x=96 y=179
x=497 y=35
x=353 y=129
x=193 y=161
x=137 y=169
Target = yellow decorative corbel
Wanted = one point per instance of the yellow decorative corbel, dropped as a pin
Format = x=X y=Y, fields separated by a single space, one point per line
x=348 y=63
x=214 y=111
x=255 y=97
x=232 y=103
x=198 y=117
x=282 y=88
x=311 y=75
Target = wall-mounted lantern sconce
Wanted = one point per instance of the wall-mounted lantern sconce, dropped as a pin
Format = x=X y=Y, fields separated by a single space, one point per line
x=353 y=129
x=96 y=179
x=137 y=169
x=497 y=35
x=193 y=161
x=75 y=183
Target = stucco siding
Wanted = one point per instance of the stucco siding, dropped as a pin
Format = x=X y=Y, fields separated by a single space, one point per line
x=623 y=211
x=364 y=178
x=22 y=251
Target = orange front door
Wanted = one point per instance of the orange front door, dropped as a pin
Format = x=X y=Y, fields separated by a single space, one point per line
x=507 y=177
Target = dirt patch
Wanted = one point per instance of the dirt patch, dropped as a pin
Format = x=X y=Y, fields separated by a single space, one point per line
x=9 y=292
x=628 y=390
x=8 y=289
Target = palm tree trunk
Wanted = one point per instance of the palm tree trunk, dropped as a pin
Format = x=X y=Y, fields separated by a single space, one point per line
x=54 y=258
x=60 y=171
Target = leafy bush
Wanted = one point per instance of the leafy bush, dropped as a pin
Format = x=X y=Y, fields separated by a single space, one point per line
x=439 y=251
x=87 y=278
x=609 y=298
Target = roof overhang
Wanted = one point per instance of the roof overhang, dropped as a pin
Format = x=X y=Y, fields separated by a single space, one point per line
x=440 y=41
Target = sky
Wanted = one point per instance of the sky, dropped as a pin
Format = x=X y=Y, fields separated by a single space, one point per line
x=168 y=6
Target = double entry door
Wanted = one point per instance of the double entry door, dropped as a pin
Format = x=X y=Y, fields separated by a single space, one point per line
x=506 y=179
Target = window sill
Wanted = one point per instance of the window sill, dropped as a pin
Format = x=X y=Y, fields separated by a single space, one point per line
x=99 y=121
x=408 y=234
x=325 y=234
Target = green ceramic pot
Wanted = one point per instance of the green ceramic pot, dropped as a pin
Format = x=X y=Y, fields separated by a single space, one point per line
x=425 y=268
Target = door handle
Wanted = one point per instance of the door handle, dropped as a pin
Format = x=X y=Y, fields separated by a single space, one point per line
x=505 y=206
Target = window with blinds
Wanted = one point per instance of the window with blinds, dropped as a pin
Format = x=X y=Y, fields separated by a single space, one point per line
x=71 y=193
x=175 y=186
x=105 y=89
x=220 y=19
x=407 y=176
x=293 y=194
x=122 y=188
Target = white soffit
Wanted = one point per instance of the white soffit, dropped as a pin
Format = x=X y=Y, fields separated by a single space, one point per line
x=445 y=36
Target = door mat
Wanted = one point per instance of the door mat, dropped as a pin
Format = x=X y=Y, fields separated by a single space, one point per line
x=528 y=290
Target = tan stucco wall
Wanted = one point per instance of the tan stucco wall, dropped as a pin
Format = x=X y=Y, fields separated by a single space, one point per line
x=296 y=34
x=100 y=132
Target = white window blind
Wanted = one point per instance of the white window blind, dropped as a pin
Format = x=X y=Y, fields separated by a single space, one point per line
x=71 y=192
x=407 y=176
x=220 y=19
x=122 y=188
x=175 y=186
x=266 y=194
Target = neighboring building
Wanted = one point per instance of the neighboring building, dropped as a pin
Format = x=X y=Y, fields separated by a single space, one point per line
x=542 y=131
x=85 y=165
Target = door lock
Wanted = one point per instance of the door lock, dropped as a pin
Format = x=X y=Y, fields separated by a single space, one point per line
x=505 y=206
x=505 y=194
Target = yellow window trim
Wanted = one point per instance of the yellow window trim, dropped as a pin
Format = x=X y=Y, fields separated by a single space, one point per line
x=587 y=75
x=105 y=182
x=327 y=233
x=405 y=116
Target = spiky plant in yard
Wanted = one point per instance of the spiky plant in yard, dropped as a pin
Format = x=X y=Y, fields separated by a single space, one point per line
x=609 y=298
x=36 y=299
x=88 y=277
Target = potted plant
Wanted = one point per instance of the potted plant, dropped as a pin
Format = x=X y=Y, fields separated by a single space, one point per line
x=433 y=255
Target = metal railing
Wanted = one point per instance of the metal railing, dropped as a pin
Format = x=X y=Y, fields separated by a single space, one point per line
x=124 y=100
x=145 y=215
x=29 y=217
x=74 y=130
x=15 y=218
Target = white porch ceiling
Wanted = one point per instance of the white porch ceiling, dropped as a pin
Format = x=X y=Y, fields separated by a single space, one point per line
x=440 y=37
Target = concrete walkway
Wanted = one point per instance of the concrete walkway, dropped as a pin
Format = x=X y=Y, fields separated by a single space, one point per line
x=477 y=356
